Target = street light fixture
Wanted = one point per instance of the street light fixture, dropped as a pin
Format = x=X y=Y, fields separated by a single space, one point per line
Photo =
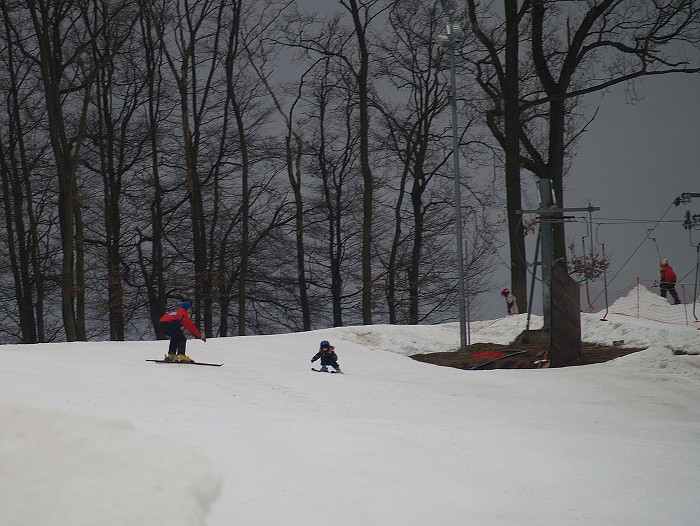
x=448 y=6
x=450 y=41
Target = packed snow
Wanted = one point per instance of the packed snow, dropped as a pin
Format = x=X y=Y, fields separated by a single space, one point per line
x=94 y=434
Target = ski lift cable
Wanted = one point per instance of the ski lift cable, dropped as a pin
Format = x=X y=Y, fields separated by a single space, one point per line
x=621 y=221
x=649 y=231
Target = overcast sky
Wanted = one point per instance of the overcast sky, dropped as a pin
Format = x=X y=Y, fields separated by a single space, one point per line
x=633 y=162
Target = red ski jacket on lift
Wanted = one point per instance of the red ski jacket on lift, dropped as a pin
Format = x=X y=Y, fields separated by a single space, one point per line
x=666 y=274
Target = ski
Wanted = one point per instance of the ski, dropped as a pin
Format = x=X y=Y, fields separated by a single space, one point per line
x=188 y=363
x=320 y=371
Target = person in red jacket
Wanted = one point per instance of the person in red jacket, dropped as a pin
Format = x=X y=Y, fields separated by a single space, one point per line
x=667 y=281
x=172 y=324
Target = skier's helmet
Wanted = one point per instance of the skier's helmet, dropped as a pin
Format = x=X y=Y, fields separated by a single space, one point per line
x=186 y=305
x=664 y=262
x=325 y=344
x=505 y=292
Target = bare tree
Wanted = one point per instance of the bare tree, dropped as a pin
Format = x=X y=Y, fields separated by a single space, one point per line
x=329 y=116
x=419 y=267
x=576 y=48
x=332 y=143
x=196 y=51
x=412 y=66
x=352 y=50
x=21 y=156
x=608 y=43
x=293 y=151
x=63 y=40
x=192 y=30
x=237 y=108
x=362 y=14
x=260 y=210
x=114 y=143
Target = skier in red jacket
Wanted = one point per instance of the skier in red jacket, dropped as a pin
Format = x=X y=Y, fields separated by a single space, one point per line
x=667 y=281
x=172 y=324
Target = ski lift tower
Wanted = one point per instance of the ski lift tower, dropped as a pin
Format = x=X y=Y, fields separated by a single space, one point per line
x=692 y=222
x=561 y=306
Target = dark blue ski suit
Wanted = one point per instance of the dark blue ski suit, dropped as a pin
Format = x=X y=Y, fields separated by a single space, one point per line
x=328 y=357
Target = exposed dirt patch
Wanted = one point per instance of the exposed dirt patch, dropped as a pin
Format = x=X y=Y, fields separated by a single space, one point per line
x=495 y=356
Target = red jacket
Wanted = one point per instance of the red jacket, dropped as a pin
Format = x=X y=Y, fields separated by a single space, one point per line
x=666 y=274
x=181 y=317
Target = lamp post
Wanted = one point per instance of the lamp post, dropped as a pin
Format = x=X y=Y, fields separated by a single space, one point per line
x=450 y=41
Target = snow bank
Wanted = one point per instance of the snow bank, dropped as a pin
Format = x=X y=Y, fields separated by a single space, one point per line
x=414 y=339
x=73 y=470
x=640 y=302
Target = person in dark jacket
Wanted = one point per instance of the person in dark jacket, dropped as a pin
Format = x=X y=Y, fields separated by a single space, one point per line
x=667 y=281
x=326 y=353
x=172 y=324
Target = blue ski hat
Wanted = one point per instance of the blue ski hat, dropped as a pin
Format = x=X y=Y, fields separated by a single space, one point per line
x=325 y=343
x=186 y=305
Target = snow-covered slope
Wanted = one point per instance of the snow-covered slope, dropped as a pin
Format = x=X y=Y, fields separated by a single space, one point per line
x=93 y=434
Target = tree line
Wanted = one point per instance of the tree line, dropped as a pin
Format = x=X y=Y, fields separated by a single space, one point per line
x=283 y=169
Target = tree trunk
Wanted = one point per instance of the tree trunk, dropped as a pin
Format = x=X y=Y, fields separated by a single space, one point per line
x=17 y=189
x=153 y=264
x=511 y=117
x=66 y=150
x=245 y=216
x=367 y=178
x=293 y=158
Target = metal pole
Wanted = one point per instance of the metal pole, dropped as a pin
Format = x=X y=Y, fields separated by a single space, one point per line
x=532 y=280
x=605 y=285
x=695 y=289
x=466 y=287
x=454 y=35
x=545 y=191
x=458 y=186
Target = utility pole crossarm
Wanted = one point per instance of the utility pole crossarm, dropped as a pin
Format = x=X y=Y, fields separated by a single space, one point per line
x=552 y=211
x=685 y=198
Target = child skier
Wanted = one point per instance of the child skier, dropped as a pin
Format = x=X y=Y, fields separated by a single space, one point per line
x=511 y=302
x=328 y=357
x=172 y=323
